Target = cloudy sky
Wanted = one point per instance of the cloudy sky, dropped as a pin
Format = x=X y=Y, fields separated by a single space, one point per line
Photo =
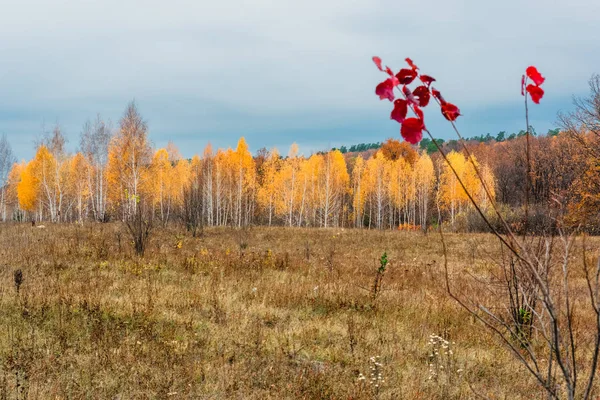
x=279 y=71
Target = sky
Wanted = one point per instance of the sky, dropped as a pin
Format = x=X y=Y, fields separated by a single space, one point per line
x=279 y=71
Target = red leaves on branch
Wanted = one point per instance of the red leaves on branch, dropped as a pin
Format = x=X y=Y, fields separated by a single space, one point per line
x=419 y=112
x=385 y=90
x=427 y=80
x=412 y=130
x=436 y=93
x=399 y=111
x=422 y=92
x=450 y=111
x=411 y=64
x=535 y=91
x=534 y=75
x=406 y=76
x=377 y=62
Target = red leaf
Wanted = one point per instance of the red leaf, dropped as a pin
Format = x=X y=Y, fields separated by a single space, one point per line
x=535 y=92
x=438 y=95
x=385 y=90
x=406 y=76
x=395 y=81
x=400 y=110
x=450 y=111
x=523 y=85
x=423 y=94
x=412 y=130
x=419 y=112
x=412 y=65
x=377 y=62
x=426 y=79
x=534 y=75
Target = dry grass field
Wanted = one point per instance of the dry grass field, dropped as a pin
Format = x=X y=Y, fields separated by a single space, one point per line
x=263 y=313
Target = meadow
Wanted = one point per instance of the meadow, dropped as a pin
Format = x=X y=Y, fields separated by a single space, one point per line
x=256 y=313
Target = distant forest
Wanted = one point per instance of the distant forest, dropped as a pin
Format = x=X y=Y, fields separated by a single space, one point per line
x=427 y=145
x=388 y=185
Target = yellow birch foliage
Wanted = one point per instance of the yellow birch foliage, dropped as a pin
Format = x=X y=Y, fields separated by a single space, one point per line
x=182 y=175
x=28 y=188
x=77 y=183
x=12 y=183
x=358 y=198
x=267 y=191
x=158 y=183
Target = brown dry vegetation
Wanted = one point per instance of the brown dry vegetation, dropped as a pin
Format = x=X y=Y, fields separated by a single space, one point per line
x=263 y=313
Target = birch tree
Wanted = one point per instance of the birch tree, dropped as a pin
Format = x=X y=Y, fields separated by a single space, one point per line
x=7 y=159
x=94 y=142
x=129 y=156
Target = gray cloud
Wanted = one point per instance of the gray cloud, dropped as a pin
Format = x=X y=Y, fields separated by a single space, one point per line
x=278 y=71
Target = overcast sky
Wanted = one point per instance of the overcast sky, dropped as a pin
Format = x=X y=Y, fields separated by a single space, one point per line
x=278 y=71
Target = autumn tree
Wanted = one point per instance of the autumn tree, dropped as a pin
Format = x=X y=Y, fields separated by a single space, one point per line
x=245 y=181
x=45 y=171
x=94 y=142
x=267 y=190
x=451 y=195
x=393 y=149
x=286 y=182
x=12 y=184
x=159 y=183
x=78 y=184
x=51 y=161
x=582 y=126
x=192 y=209
x=207 y=178
x=28 y=188
x=376 y=177
x=7 y=160
x=334 y=187
x=425 y=181
x=129 y=157
x=358 y=198
x=182 y=175
x=401 y=192
x=223 y=193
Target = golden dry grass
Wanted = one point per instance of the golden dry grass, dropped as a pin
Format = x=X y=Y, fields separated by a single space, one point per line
x=264 y=313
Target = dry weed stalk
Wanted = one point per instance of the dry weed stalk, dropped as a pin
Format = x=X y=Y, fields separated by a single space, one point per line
x=378 y=281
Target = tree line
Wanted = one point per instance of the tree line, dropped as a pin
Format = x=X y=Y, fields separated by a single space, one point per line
x=116 y=170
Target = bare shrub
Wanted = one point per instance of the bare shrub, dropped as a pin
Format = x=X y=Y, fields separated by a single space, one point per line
x=192 y=209
x=139 y=225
